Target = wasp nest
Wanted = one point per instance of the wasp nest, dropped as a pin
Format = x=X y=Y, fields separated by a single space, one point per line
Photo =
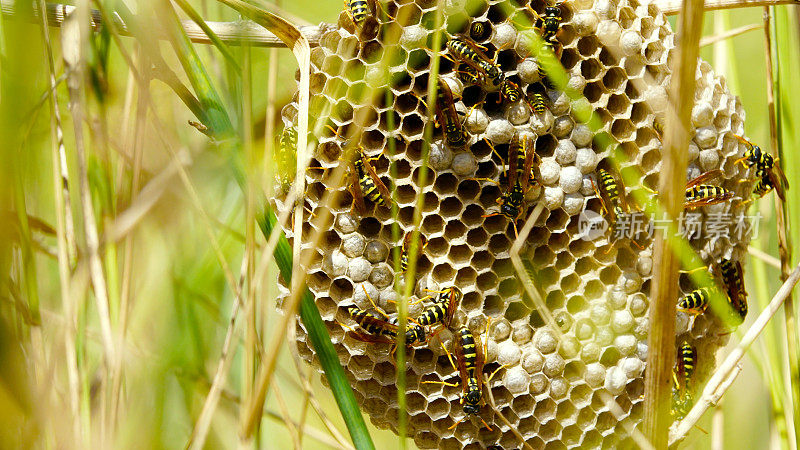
x=553 y=385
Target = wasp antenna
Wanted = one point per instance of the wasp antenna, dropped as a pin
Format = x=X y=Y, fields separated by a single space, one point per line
x=458 y=422
x=741 y=160
x=372 y=302
x=504 y=366
x=485 y=179
x=440 y=382
x=380 y=6
x=346 y=327
x=449 y=357
x=334 y=130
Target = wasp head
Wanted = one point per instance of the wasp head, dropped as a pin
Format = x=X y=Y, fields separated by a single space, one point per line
x=416 y=334
x=496 y=76
x=509 y=210
x=553 y=11
x=471 y=409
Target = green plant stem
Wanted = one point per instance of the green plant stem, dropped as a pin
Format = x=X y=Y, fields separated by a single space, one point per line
x=777 y=44
x=771 y=365
x=320 y=340
x=212 y=36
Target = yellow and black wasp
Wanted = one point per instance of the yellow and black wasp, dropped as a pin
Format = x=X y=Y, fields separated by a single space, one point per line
x=612 y=201
x=699 y=194
x=550 y=22
x=682 y=398
x=447 y=117
x=537 y=99
x=478 y=30
x=733 y=277
x=687 y=360
x=286 y=158
x=381 y=330
x=510 y=91
x=696 y=302
x=614 y=206
x=470 y=357
x=548 y=48
x=470 y=53
x=443 y=307
x=364 y=181
x=377 y=329
x=358 y=10
x=769 y=175
x=468 y=74
x=369 y=182
x=522 y=165
x=405 y=254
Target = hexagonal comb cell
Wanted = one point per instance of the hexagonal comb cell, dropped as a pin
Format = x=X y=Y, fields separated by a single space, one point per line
x=453 y=186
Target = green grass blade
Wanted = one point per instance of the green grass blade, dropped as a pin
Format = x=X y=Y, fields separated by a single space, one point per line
x=785 y=38
x=218 y=120
x=215 y=40
x=321 y=341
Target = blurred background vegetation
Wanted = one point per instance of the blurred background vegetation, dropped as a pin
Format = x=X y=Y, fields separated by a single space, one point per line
x=169 y=232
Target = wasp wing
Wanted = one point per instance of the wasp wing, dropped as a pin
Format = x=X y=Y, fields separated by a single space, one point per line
x=370 y=338
x=779 y=181
x=708 y=201
x=531 y=161
x=513 y=151
x=462 y=367
x=702 y=178
x=355 y=191
x=452 y=303
x=370 y=171
x=606 y=196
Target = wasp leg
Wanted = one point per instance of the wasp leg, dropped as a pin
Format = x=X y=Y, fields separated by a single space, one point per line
x=380 y=6
x=486 y=179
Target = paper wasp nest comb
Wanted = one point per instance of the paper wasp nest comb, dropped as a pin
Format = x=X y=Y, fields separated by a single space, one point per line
x=552 y=392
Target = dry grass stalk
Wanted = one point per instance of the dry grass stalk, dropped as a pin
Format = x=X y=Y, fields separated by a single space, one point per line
x=671 y=7
x=74 y=39
x=784 y=243
x=527 y=282
x=287 y=419
x=234 y=33
x=718 y=430
x=620 y=415
x=765 y=257
x=203 y=423
x=292 y=38
x=661 y=339
x=708 y=40
x=725 y=374
x=65 y=237
x=490 y=397
x=305 y=385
